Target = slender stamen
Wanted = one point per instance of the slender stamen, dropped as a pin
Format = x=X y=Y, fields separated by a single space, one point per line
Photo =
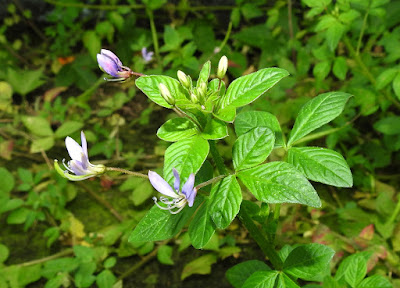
x=177 y=211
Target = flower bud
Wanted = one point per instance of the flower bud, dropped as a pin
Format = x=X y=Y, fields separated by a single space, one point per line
x=184 y=79
x=194 y=97
x=202 y=90
x=166 y=94
x=222 y=67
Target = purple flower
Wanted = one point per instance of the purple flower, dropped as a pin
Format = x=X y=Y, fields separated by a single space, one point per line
x=79 y=165
x=147 y=56
x=179 y=198
x=110 y=64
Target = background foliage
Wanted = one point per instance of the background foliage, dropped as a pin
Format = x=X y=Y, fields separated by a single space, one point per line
x=58 y=233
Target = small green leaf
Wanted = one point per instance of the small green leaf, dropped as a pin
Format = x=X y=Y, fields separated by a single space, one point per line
x=321 y=165
x=238 y=274
x=261 y=279
x=214 y=129
x=284 y=281
x=388 y=125
x=164 y=255
x=177 y=129
x=105 y=279
x=396 y=85
x=333 y=34
x=186 y=156
x=246 y=89
x=37 y=125
x=356 y=271
x=322 y=69
x=92 y=42
x=42 y=144
x=4 y=252
x=201 y=265
x=204 y=73
x=149 y=86
x=202 y=228
x=18 y=216
x=67 y=128
x=307 y=261
x=25 y=81
x=375 y=281
x=385 y=78
x=317 y=112
x=53 y=267
x=110 y=262
x=248 y=120
x=279 y=182
x=225 y=200
x=252 y=148
x=340 y=67
x=7 y=182
x=159 y=224
x=227 y=114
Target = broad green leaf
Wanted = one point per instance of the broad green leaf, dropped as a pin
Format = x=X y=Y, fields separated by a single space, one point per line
x=42 y=144
x=149 y=86
x=279 y=182
x=238 y=274
x=186 y=156
x=84 y=276
x=333 y=35
x=385 y=78
x=37 y=125
x=246 y=89
x=388 y=125
x=67 y=128
x=10 y=204
x=375 y=281
x=340 y=67
x=201 y=265
x=252 y=148
x=25 y=81
x=356 y=271
x=227 y=114
x=105 y=279
x=261 y=279
x=321 y=165
x=53 y=267
x=159 y=224
x=164 y=255
x=306 y=261
x=204 y=73
x=284 y=281
x=202 y=228
x=177 y=129
x=7 y=182
x=322 y=69
x=214 y=129
x=18 y=216
x=396 y=85
x=225 y=200
x=317 y=112
x=246 y=121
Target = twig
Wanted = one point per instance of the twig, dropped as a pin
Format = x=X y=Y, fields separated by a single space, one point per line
x=48 y=258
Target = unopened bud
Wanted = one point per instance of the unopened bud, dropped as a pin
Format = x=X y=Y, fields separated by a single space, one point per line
x=222 y=67
x=166 y=94
x=202 y=89
x=184 y=79
x=194 y=97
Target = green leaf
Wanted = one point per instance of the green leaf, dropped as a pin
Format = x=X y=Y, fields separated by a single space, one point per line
x=154 y=4
x=317 y=112
x=252 y=148
x=225 y=200
x=4 y=252
x=340 y=67
x=333 y=35
x=149 y=86
x=177 y=129
x=25 y=81
x=279 y=182
x=37 y=125
x=53 y=267
x=202 y=228
x=375 y=281
x=396 y=85
x=246 y=89
x=261 y=279
x=227 y=114
x=385 y=78
x=322 y=69
x=321 y=165
x=356 y=271
x=204 y=73
x=201 y=265
x=67 y=128
x=186 y=156
x=7 y=182
x=164 y=255
x=317 y=3
x=388 y=125
x=42 y=144
x=284 y=281
x=110 y=262
x=18 y=216
x=238 y=274
x=214 y=129
x=246 y=121
x=307 y=261
x=159 y=224
x=92 y=42
x=106 y=279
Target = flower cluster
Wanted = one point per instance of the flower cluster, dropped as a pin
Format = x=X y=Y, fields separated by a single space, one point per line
x=177 y=199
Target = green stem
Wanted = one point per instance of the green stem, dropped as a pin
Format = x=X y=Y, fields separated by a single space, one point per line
x=213 y=180
x=227 y=35
x=137 y=174
x=219 y=162
x=277 y=211
x=45 y=259
x=395 y=212
x=182 y=113
x=257 y=235
x=317 y=135
x=154 y=35
x=362 y=31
